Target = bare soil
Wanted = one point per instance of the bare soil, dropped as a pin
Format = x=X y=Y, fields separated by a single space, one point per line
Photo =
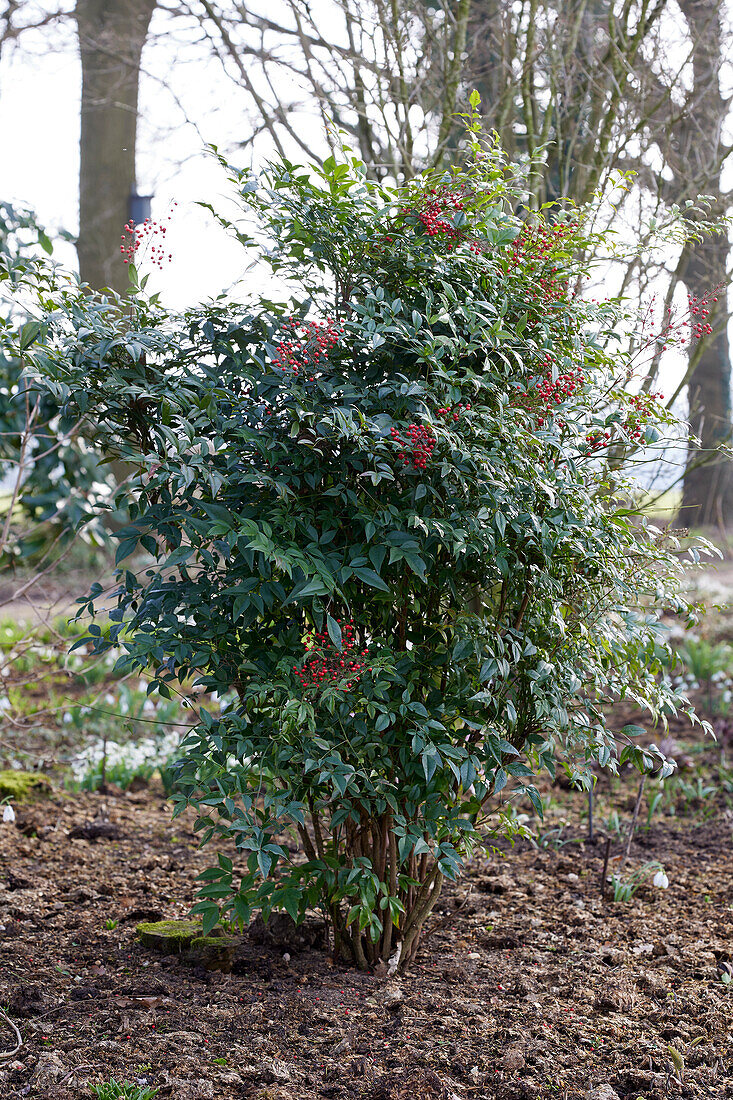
x=528 y=985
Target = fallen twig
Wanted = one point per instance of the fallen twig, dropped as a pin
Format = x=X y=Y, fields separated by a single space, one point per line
x=5 y=1055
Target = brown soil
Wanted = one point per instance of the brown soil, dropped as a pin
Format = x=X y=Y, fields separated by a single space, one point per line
x=528 y=985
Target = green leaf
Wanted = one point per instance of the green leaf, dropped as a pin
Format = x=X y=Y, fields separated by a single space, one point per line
x=370 y=577
x=28 y=333
x=334 y=632
x=210 y=919
x=290 y=902
x=125 y=548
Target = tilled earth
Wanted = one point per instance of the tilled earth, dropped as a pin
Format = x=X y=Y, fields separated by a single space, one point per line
x=528 y=985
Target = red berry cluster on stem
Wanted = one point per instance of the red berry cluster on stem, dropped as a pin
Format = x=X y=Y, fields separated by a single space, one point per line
x=598 y=438
x=643 y=405
x=549 y=392
x=306 y=344
x=531 y=253
x=434 y=211
x=325 y=664
x=148 y=234
x=416 y=449
x=436 y=204
x=453 y=413
x=699 y=310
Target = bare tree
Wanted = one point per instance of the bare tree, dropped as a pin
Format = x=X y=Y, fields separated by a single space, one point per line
x=600 y=85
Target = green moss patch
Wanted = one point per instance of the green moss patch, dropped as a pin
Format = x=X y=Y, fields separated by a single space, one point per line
x=169 y=936
x=23 y=786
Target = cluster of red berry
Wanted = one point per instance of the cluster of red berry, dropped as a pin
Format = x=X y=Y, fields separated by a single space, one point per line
x=643 y=406
x=531 y=254
x=438 y=202
x=417 y=448
x=454 y=413
x=136 y=237
x=434 y=213
x=305 y=344
x=699 y=309
x=656 y=337
x=555 y=392
x=325 y=664
x=597 y=439
x=550 y=392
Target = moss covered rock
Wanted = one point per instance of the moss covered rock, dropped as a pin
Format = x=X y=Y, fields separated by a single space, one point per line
x=170 y=937
x=22 y=786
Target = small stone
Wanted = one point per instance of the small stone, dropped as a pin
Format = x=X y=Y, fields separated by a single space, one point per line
x=572 y=877
x=513 y=1059
x=602 y=1092
x=392 y=998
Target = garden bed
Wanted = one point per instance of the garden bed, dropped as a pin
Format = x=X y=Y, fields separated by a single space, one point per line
x=528 y=985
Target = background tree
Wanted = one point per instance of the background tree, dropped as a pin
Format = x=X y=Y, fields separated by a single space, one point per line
x=111 y=40
x=601 y=85
x=697 y=154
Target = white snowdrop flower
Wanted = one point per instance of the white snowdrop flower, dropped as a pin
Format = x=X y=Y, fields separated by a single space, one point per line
x=8 y=814
x=727 y=696
x=109 y=699
x=67 y=718
x=4 y=702
x=660 y=880
x=148 y=707
x=56 y=474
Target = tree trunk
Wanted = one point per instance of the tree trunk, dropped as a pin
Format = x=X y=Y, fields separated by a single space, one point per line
x=112 y=34
x=707 y=498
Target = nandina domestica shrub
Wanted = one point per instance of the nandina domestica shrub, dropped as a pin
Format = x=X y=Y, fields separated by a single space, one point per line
x=382 y=512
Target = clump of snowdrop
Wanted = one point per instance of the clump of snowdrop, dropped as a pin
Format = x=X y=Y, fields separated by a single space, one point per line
x=123 y=761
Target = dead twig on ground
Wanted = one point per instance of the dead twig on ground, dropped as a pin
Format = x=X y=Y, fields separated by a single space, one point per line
x=6 y=1055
